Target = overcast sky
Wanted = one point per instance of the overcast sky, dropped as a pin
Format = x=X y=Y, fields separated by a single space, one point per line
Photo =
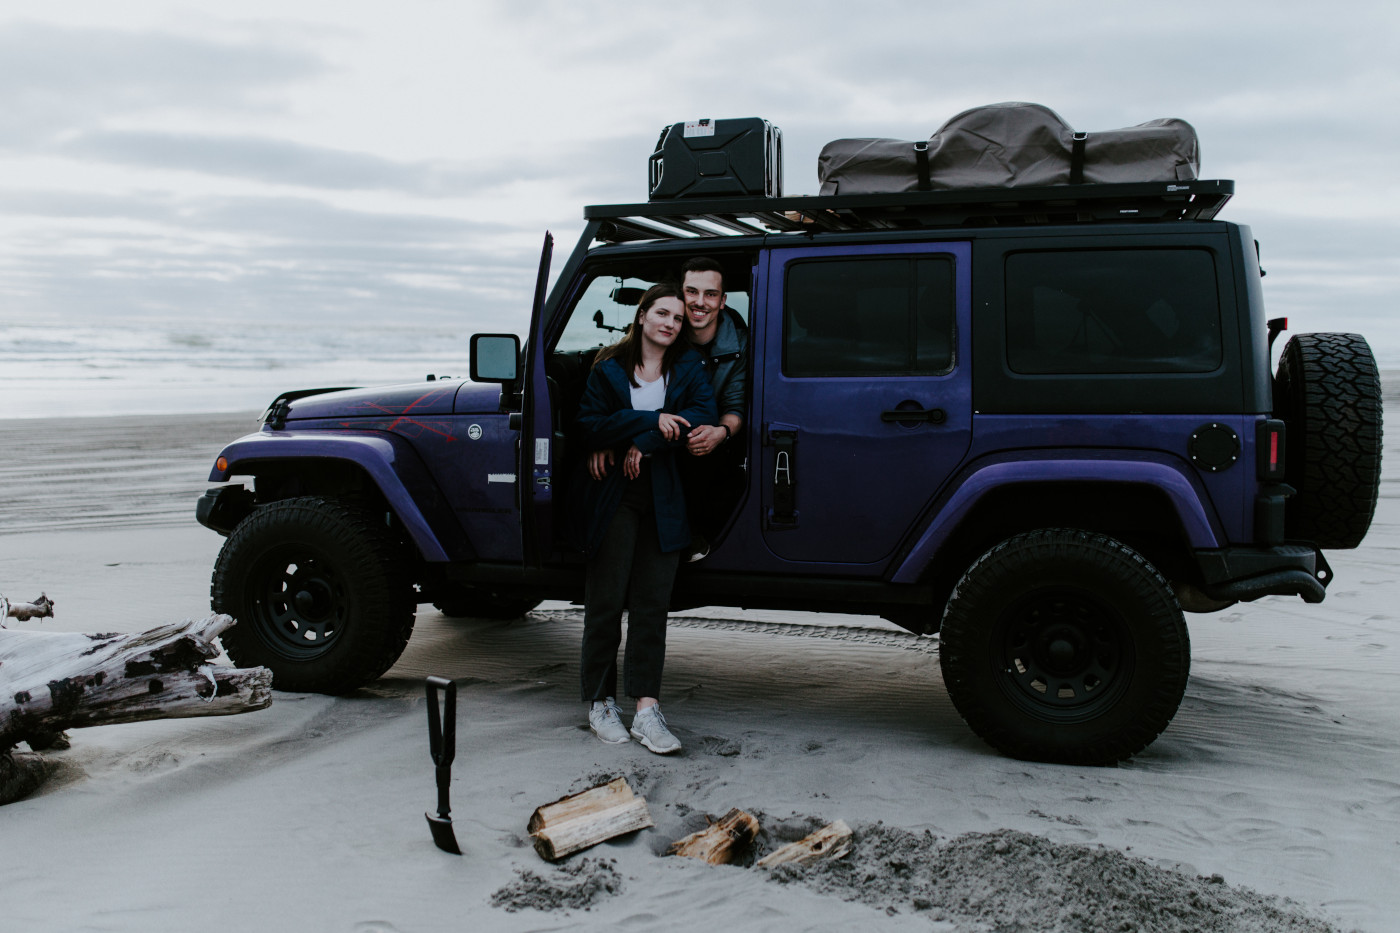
x=297 y=161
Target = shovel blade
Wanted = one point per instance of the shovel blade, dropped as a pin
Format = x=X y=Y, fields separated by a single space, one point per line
x=443 y=836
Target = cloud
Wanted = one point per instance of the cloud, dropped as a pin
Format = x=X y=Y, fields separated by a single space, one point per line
x=260 y=260
x=55 y=78
x=283 y=162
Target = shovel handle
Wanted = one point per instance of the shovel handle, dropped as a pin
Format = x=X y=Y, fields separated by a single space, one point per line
x=442 y=726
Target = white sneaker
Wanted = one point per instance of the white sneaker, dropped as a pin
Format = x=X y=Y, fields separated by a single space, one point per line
x=605 y=719
x=649 y=728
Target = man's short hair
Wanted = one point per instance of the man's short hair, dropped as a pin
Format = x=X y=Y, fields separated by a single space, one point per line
x=703 y=264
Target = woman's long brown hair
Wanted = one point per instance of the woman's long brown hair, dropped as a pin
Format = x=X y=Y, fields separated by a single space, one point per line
x=628 y=350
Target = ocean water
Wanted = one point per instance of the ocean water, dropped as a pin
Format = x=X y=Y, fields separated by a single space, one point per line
x=149 y=367
x=169 y=367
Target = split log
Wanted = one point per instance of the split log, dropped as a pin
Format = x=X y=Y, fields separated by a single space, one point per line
x=832 y=841
x=722 y=841
x=587 y=818
x=51 y=681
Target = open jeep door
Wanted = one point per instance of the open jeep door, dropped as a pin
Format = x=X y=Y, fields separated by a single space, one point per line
x=536 y=451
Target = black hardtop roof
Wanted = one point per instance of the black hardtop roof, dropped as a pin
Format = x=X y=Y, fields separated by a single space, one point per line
x=965 y=207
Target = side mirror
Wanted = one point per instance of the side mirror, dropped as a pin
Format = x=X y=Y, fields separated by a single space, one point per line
x=495 y=357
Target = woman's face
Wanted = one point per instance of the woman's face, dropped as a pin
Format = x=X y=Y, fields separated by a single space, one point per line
x=662 y=322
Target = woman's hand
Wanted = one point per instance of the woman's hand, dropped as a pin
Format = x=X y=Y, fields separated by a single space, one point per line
x=670 y=425
x=632 y=463
x=599 y=462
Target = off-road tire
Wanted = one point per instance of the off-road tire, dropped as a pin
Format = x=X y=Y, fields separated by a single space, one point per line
x=1062 y=645
x=1328 y=393
x=320 y=592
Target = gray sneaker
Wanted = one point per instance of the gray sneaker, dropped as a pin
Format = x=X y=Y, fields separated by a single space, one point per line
x=649 y=728
x=605 y=719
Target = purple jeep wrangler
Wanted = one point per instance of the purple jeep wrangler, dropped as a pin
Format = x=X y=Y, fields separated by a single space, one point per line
x=1040 y=422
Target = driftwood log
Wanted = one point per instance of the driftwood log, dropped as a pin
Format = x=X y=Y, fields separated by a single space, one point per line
x=720 y=843
x=830 y=842
x=51 y=681
x=41 y=608
x=587 y=818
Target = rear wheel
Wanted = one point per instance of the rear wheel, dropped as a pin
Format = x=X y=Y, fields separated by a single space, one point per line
x=1328 y=393
x=1061 y=645
x=320 y=592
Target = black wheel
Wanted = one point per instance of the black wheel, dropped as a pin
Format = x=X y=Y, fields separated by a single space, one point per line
x=320 y=592
x=1328 y=393
x=477 y=603
x=1065 y=646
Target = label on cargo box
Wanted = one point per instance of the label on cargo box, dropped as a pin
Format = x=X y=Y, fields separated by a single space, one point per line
x=699 y=128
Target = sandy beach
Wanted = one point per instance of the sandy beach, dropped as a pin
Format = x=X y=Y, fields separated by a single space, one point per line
x=1280 y=775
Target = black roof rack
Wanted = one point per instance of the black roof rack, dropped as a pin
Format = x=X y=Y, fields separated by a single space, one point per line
x=966 y=207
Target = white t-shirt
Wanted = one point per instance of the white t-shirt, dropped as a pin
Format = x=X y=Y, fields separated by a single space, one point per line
x=649 y=396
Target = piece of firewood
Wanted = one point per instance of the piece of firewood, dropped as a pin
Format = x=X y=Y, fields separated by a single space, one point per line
x=51 y=681
x=722 y=841
x=830 y=842
x=587 y=818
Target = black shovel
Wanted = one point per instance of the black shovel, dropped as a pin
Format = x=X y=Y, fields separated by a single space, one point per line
x=442 y=742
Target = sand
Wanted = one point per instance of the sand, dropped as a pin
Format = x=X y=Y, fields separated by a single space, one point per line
x=1279 y=777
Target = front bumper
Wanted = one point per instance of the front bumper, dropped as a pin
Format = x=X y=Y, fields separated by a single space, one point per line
x=223 y=507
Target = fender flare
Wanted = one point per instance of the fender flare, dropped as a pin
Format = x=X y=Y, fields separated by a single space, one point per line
x=390 y=462
x=1160 y=477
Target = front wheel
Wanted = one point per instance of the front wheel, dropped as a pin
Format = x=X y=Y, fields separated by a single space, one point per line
x=320 y=593
x=1065 y=646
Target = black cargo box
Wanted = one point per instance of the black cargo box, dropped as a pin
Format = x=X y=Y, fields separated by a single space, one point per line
x=717 y=159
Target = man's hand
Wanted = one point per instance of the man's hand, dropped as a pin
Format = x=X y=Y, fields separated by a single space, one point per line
x=599 y=462
x=670 y=425
x=704 y=439
x=632 y=463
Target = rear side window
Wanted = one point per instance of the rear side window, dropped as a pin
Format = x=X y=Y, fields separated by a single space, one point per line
x=1112 y=311
x=869 y=316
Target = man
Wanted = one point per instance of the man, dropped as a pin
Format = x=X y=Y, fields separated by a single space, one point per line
x=713 y=480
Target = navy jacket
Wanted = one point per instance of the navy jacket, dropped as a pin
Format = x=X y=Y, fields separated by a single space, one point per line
x=607 y=420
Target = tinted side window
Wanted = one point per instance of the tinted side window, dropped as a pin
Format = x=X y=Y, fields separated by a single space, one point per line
x=859 y=317
x=1112 y=311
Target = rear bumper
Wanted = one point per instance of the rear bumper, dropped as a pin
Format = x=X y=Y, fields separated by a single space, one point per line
x=1246 y=573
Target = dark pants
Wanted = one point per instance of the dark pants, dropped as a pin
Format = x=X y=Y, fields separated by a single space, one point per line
x=713 y=486
x=628 y=571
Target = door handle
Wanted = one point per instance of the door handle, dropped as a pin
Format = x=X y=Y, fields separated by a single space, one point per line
x=783 y=438
x=931 y=415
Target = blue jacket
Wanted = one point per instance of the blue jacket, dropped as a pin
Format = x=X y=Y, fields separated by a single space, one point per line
x=607 y=420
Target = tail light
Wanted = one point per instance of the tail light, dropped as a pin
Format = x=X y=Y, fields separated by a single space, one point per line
x=1270 y=444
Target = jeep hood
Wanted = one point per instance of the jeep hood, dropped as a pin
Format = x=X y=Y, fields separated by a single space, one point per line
x=441 y=397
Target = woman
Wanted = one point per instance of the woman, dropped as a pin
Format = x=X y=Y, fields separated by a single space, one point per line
x=644 y=393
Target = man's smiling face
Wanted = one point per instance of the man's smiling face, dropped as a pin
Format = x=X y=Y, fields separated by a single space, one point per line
x=704 y=296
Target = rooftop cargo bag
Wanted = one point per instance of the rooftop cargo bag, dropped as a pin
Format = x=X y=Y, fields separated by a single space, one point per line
x=1011 y=145
x=717 y=159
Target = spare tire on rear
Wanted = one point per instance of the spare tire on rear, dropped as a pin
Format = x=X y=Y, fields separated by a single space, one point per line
x=1328 y=392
